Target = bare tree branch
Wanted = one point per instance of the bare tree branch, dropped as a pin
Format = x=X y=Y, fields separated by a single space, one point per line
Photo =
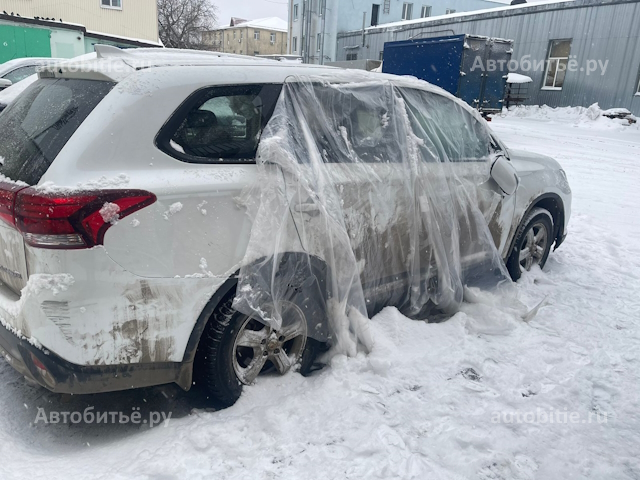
x=182 y=22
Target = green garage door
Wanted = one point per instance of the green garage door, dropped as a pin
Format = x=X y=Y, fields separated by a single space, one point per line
x=18 y=42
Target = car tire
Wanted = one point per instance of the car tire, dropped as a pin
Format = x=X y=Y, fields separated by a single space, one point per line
x=533 y=242
x=217 y=357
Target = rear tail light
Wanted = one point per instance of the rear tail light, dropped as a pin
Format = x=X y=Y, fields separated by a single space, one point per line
x=67 y=220
x=7 y=201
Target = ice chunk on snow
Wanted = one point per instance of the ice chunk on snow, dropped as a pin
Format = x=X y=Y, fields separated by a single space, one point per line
x=173 y=209
x=201 y=208
x=110 y=213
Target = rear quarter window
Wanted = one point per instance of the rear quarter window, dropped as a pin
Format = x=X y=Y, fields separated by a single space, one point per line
x=37 y=126
x=220 y=124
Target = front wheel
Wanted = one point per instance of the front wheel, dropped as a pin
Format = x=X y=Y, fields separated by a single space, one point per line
x=236 y=348
x=533 y=243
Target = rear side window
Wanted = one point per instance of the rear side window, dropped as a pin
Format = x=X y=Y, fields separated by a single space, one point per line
x=220 y=124
x=41 y=121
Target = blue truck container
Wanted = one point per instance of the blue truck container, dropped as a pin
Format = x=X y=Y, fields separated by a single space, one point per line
x=471 y=67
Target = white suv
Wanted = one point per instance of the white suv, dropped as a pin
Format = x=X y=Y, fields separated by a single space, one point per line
x=121 y=232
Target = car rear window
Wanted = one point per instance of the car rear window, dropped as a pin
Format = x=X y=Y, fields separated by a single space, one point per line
x=41 y=121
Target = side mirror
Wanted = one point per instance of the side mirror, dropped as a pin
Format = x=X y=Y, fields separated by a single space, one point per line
x=4 y=83
x=505 y=175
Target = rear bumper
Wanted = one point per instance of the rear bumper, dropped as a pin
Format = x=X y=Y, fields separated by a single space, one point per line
x=61 y=376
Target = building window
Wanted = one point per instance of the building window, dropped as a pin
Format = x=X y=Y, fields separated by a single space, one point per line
x=375 y=14
x=352 y=56
x=450 y=10
x=425 y=11
x=321 y=7
x=294 y=44
x=273 y=38
x=407 y=11
x=295 y=12
x=256 y=34
x=111 y=4
x=557 y=64
x=255 y=54
x=319 y=42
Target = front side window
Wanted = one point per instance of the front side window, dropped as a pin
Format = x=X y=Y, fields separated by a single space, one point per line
x=425 y=11
x=37 y=126
x=111 y=4
x=20 y=74
x=221 y=124
x=557 y=61
x=407 y=11
x=452 y=132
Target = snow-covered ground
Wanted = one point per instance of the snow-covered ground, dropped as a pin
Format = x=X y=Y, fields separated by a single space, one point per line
x=483 y=395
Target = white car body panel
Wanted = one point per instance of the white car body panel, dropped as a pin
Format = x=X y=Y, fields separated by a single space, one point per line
x=137 y=299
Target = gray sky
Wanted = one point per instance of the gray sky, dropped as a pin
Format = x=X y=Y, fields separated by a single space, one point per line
x=250 y=9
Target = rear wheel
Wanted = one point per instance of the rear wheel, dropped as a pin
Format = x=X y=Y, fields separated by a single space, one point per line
x=533 y=243
x=236 y=348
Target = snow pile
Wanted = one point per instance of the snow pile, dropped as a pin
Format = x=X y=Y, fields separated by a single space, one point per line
x=591 y=117
x=173 y=209
x=102 y=183
x=518 y=78
x=483 y=395
x=110 y=213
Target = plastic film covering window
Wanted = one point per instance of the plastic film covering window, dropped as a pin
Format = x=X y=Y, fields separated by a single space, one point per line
x=370 y=194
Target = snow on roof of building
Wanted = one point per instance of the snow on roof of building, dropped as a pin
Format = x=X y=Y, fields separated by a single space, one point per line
x=268 y=23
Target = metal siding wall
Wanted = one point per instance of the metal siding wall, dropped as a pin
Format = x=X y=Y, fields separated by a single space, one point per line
x=137 y=19
x=602 y=31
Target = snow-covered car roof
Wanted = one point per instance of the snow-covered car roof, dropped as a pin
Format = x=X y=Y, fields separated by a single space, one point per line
x=116 y=64
x=113 y=64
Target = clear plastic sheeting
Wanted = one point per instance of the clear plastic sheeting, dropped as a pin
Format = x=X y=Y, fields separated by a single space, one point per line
x=371 y=193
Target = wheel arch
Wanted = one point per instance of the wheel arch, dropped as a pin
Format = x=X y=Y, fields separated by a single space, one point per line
x=318 y=268
x=555 y=206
